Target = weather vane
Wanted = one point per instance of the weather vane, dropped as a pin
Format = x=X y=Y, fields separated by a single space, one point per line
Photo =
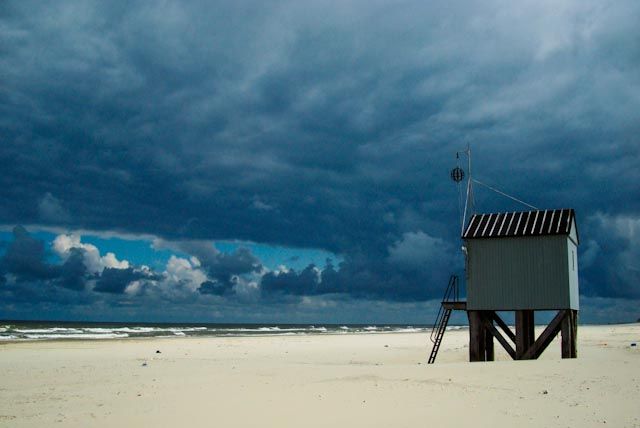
x=466 y=202
x=457 y=174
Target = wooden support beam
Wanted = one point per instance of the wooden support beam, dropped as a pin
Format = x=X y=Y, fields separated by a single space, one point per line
x=476 y=337
x=510 y=334
x=456 y=306
x=495 y=333
x=565 y=329
x=530 y=328
x=574 y=345
x=488 y=337
x=569 y=332
x=520 y=342
x=525 y=335
x=546 y=337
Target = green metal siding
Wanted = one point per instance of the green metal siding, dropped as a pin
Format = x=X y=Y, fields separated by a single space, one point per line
x=521 y=273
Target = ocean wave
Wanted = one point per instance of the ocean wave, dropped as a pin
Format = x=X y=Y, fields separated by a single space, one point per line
x=409 y=330
x=186 y=329
x=9 y=337
x=47 y=330
x=76 y=336
x=121 y=330
x=18 y=332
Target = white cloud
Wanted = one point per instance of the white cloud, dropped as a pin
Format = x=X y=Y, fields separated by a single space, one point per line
x=260 y=205
x=95 y=263
x=417 y=249
x=183 y=273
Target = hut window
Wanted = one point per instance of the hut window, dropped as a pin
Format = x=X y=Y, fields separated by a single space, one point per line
x=573 y=260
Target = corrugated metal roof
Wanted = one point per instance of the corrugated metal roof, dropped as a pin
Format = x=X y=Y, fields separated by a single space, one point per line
x=520 y=223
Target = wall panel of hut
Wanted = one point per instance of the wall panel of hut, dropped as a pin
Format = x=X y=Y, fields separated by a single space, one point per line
x=521 y=273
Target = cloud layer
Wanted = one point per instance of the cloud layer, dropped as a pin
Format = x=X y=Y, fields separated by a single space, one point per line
x=326 y=125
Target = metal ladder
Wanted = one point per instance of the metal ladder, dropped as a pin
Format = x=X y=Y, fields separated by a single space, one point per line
x=442 y=320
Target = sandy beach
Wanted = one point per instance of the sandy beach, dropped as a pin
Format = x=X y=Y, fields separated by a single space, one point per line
x=355 y=380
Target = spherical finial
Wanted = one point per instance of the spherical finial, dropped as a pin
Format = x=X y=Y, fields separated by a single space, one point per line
x=457 y=174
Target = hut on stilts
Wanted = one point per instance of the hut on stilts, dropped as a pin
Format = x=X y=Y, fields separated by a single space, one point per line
x=520 y=262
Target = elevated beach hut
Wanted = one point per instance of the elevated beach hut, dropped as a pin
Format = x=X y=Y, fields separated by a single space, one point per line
x=522 y=262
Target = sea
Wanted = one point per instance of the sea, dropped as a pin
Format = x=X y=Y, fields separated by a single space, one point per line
x=12 y=331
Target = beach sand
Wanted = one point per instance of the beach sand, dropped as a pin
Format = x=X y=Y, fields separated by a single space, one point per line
x=356 y=380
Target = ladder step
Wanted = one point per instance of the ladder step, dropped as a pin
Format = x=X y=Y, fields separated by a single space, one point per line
x=442 y=327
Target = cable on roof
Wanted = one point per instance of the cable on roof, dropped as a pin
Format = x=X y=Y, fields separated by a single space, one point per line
x=503 y=193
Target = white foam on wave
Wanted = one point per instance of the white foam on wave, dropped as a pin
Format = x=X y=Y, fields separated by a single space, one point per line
x=76 y=336
x=121 y=330
x=9 y=337
x=47 y=330
x=409 y=330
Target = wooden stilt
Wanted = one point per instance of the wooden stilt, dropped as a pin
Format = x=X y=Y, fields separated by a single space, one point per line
x=566 y=330
x=569 y=331
x=521 y=342
x=530 y=328
x=476 y=336
x=525 y=335
x=574 y=335
x=488 y=337
x=483 y=331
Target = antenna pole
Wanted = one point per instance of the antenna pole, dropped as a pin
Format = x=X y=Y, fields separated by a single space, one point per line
x=468 y=202
x=470 y=195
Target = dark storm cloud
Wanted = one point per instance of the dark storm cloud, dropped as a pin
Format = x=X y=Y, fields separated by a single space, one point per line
x=360 y=276
x=222 y=268
x=26 y=261
x=115 y=281
x=290 y=282
x=213 y=287
x=322 y=125
x=73 y=272
x=611 y=257
x=25 y=258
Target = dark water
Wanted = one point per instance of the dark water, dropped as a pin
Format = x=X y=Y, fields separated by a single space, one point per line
x=35 y=330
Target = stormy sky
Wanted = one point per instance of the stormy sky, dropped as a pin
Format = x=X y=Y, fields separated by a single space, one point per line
x=288 y=161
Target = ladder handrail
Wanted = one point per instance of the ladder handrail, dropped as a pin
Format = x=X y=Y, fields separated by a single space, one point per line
x=451 y=291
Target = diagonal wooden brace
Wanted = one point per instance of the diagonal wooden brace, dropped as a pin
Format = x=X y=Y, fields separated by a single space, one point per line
x=495 y=333
x=503 y=326
x=546 y=337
